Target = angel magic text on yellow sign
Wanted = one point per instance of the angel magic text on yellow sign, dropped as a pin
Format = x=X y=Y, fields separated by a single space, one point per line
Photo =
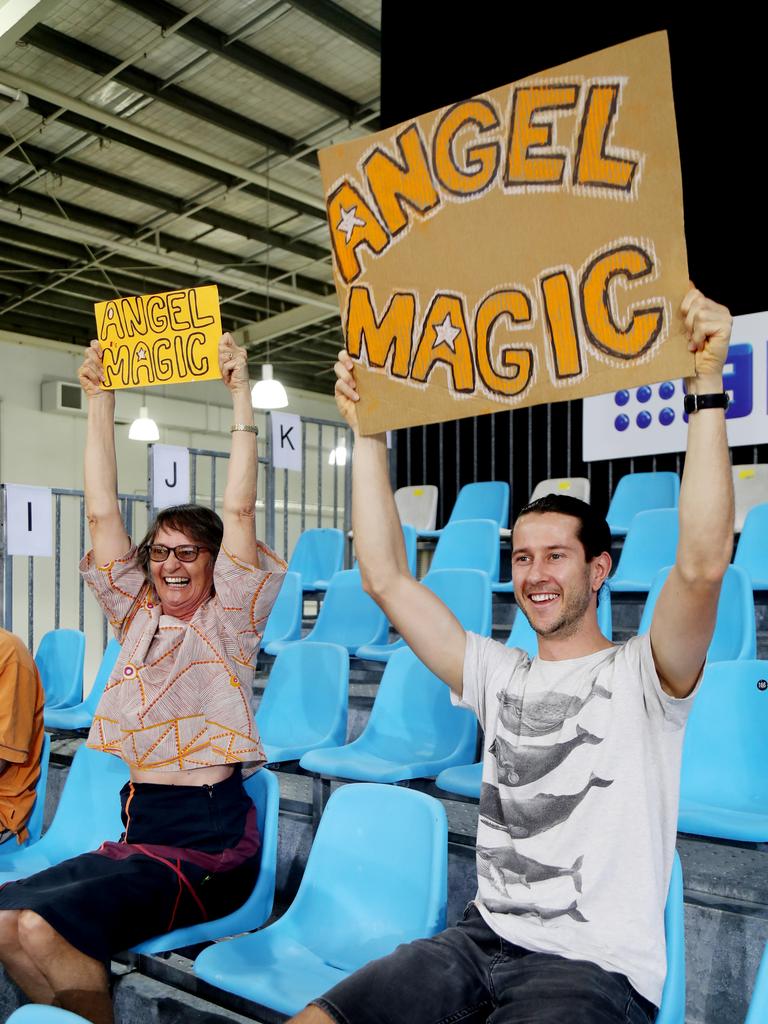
x=165 y=338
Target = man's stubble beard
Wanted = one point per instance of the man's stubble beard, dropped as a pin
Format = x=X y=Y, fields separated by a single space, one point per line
x=572 y=616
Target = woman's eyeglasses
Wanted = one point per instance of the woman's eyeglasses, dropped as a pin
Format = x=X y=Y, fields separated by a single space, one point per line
x=184 y=552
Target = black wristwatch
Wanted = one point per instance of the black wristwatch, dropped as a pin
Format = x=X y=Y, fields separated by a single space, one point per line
x=692 y=403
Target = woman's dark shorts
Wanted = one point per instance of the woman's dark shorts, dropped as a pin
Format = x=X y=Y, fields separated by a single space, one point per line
x=188 y=854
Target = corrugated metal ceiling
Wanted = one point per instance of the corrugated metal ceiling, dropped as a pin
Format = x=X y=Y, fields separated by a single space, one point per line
x=209 y=173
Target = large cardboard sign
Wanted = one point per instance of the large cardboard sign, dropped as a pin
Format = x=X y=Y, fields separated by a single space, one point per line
x=650 y=420
x=521 y=247
x=165 y=338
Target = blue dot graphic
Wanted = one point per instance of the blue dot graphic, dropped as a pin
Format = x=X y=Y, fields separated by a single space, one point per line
x=666 y=390
x=621 y=397
x=621 y=422
x=644 y=393
x=644 y=419
x=666 y=416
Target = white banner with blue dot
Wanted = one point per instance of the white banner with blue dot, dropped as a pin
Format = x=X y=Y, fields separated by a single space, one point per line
x=649 y=420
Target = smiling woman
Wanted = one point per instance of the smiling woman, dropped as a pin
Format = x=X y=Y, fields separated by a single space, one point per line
x=188 y=605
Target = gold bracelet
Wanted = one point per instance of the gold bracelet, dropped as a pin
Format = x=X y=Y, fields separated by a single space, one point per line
x=250 y=427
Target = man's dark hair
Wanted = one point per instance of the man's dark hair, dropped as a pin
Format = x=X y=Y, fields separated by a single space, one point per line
x=593 y=532
x=199 y=523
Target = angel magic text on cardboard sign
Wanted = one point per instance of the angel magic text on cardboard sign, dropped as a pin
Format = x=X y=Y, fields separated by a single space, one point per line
x=521 y=247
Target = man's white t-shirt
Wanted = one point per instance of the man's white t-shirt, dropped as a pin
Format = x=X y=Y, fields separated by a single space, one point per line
x=578 y=810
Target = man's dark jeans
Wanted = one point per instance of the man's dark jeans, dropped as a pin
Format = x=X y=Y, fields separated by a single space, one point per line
x=468 y=974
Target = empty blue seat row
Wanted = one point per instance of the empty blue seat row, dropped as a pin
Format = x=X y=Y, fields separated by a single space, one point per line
x=376 y=876
x=483 y=500
x=414 y=731
x=59 y=658
x=319 y=553
x=640 y=492
x=735 y=633
x=752 y=549
x=80 y=715
x=304 y=705
x=466 y=592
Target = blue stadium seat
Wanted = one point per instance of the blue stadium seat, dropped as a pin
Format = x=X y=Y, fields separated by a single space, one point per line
x=263 y=788
x=651 y=543
x=672 y=1009
x=752 y=549
x=35 y=821
x=723 y=782
x=81 y=715
x=758 y=1004
x=34 y=1013
x=87 y=815
x=319 y=553
x=467 y=593
x=304 y=705
x=485 y=500
x=59 y=660
x=523 y=636
x=464 y=779
x=284 y=622
x=469 y=544
x=735 y=636
x=413 y=731
x=639 y=492
x=411 y=542
x=347 y=616
x=376 y=876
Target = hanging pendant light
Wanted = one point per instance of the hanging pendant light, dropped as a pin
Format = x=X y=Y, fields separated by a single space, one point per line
x=338 y=456
x=268 y=393
x=143 y=428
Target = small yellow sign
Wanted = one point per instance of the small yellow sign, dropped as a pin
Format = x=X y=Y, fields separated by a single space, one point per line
x=165 y=338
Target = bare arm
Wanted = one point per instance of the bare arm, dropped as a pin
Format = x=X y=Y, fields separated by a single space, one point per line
x=108 y=534
x=239 y=508
x=684 y=618
x=429 y=628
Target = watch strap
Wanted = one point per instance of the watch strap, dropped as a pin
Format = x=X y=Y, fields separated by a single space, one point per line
x=719 y=400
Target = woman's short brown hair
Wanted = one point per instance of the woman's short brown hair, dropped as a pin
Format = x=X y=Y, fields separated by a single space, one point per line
x=200 y=524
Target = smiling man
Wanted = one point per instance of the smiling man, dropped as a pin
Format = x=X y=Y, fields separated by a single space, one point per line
x=582 y=746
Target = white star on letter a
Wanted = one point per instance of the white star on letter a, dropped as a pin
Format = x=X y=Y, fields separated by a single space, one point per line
x=349 y=222
x=445 y=333
x=141 y=353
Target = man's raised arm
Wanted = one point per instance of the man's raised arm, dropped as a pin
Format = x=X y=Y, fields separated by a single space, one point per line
x=684 y=618
x=429 y=628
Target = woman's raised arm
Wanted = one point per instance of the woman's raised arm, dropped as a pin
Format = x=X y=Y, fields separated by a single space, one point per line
x=108 y=535
x=239 y=508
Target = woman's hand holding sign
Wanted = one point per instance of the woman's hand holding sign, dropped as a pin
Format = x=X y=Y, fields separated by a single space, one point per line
x=233 y=363
x=91 y=373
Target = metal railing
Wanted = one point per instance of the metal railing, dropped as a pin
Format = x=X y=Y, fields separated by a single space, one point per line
x=48 y=592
